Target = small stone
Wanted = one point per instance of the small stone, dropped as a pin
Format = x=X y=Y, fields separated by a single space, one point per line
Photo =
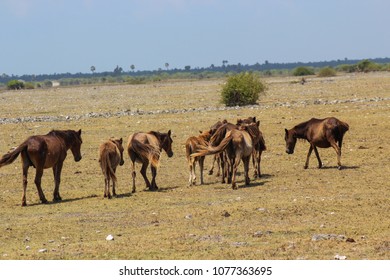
x=28 y=247
x=44 y=250
x=258 y=234
x=226 y=214
x=188 y=217
x=109 y=237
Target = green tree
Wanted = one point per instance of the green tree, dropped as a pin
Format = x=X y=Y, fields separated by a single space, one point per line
x=303 y=71
x=242 y=89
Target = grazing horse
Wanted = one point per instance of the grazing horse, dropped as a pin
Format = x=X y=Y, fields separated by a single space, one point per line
x=45 y=151
x=146 y=148
x=322 y=133
x=193 y=144
x=110 y=156
x=238 y=144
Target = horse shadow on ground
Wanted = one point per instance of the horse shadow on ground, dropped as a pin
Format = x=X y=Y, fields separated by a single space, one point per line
x=343 y=167
x=66 y=200
x=257 y=182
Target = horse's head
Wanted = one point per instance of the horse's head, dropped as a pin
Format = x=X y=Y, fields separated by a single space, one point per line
x=76 y=145
x=291 y=140
x=167 y=144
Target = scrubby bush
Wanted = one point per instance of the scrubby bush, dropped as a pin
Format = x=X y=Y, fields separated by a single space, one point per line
x=242 y=89
x=327 y=72
x=29 y=85
x=303 y=71
x=15 y=84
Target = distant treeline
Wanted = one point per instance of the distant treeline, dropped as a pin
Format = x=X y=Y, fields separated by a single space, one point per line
x=118 y=75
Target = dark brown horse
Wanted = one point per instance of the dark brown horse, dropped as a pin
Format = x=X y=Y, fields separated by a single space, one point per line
x=322 y=133
x=238 y=144
x=146 y=148
x=110 y=156
x=45 y=151
x=193 y=144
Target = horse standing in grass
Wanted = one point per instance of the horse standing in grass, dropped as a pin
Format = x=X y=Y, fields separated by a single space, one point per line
x=110 y=156
x=45 y=151
x=193 y=144
x=238 y=144
x=146 y=148
x=322 y=133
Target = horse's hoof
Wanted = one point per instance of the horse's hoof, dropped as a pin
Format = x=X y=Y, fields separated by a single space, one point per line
x=305 y=167
x=339 y=167
x=211 y=172
x=44 y=201
x=24 y=203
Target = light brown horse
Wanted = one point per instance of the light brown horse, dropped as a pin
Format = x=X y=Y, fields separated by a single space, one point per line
x=259 y=148
x=322 y=133
x=110 y=156
x=146 y=148
x=239 y=144
x=193 y=144
x=45 y=151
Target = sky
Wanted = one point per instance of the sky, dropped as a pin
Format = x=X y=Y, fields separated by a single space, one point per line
x=70 y=36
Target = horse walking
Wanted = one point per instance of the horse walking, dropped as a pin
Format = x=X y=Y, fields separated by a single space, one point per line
x=146 y=148
x=110 y=156
x=193 y=144
x=322 y=133
x=45 y=151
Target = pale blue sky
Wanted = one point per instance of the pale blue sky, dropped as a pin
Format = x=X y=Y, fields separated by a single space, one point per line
x=59 y=36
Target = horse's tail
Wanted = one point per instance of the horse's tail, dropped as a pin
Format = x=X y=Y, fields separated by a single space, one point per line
x=146 y=151
x=209 y=150
x=10 y=157
x=105 y=164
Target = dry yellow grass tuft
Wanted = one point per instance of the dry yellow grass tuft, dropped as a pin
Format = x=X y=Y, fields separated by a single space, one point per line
x=279 y=216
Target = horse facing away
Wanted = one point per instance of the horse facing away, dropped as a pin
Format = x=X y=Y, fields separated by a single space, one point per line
x=193 y=144
x=110 y=156
x=146 y=148
x=239 y=145
x=45 y=151
x=322 y=133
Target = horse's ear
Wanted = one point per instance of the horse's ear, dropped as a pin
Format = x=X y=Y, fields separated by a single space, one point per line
x=254 y=119
x=200 y=131
x=169 y=133
x=257 y=123
x=79 y=132
x=286 y=131
x=121 y=140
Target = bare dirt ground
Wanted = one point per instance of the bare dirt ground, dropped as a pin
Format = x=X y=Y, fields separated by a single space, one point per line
x=289 y=213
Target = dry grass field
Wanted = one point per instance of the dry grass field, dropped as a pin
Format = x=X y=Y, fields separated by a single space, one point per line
x=279 y=216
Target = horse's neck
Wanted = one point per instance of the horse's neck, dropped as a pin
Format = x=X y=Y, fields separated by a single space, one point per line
x=301 y=131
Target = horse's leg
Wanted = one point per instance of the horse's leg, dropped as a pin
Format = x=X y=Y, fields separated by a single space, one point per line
x=338 y=152
x=318 y=157
x=105 y=186
x=211 y=170
x=234 y=172
x=143 y=173
x=108 y=187
x=258 y=163
x=38 y=180
x=57 y=179
x=308 y=156
x=223 y=163
x=26 y=165
x=113 y=183
x=246 y=161
x=190 y=166
x=154 y=174
x=255 y=164
x=133 y=174
x=201 y=166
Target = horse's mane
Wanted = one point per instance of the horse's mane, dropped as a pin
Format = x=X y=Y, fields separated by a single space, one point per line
x=65 y=134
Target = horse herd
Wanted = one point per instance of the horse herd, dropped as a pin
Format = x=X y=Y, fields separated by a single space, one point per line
x=229 y=143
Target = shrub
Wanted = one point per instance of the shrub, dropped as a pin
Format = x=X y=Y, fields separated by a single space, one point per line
x=29 y=85
x=15 y=84
x=242 y=89
x=302 y=71
x=327 y=72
